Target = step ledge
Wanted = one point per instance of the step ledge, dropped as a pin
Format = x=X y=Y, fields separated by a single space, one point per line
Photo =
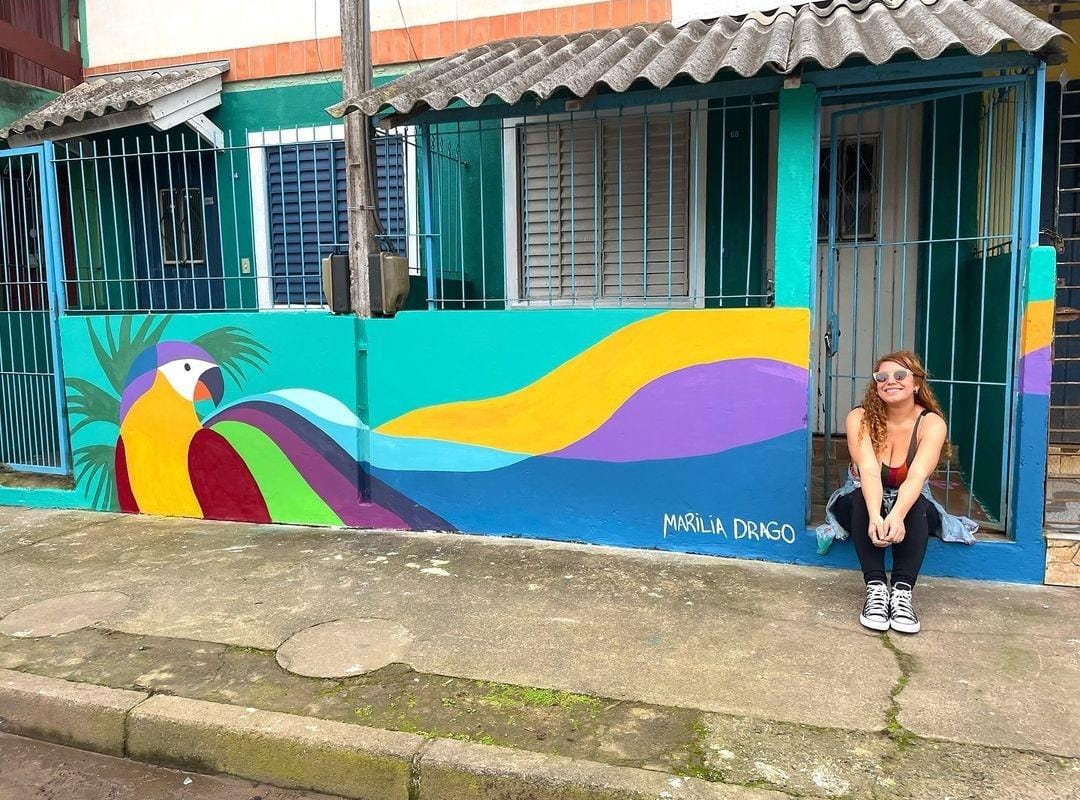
x=311 y=754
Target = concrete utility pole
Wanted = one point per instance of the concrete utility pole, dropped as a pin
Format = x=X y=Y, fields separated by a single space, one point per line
x=356 y=79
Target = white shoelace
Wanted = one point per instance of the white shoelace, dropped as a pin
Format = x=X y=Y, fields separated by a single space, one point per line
x=900 y=605
x=877 y=600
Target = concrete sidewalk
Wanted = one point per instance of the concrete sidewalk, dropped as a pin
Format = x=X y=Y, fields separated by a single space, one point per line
x=714 y=677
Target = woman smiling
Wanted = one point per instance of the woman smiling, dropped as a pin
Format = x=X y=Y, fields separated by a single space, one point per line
x=895 y=439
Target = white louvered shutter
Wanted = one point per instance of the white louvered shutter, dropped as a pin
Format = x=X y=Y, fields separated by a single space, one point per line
x=593 y=199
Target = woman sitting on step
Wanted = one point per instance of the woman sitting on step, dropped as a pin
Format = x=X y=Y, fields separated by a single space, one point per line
x=895 y=438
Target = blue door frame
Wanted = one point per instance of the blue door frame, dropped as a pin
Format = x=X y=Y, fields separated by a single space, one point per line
x=33 y=418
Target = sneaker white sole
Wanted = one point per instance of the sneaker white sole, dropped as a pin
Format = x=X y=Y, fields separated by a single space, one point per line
x=874 y=624
x=905 y=627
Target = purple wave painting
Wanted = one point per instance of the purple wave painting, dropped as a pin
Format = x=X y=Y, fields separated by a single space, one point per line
x=700 y=410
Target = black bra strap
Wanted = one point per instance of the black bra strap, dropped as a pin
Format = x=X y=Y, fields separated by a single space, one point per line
x=914 y=445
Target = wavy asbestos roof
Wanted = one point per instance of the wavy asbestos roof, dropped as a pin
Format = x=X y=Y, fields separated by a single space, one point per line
x=100 y=97
x=658 y=53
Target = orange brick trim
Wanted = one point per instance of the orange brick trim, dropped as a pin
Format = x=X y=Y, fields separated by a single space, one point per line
x=428 y=41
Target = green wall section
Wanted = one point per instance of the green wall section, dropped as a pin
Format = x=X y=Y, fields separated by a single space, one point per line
x=963 y=321
x=796 y=229
x=275 y=107
x=420 y=374
x=736 y=199
x=461 y=239
x=18 y=99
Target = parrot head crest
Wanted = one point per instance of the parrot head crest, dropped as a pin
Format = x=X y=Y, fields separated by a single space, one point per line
x=189 y=369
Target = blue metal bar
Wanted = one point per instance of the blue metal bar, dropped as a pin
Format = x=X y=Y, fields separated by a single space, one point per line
x=723 y=193
x=988 y=166
x=675 y=94
x=429 y=198
x=461 y=212
x=483 y=225
x=1025 y=192
x=955 y=292
x=130 y=223
x=645 y=207
x=620 y=162
x=101 y=225
x=750 y=206
x=670 y=197
x=932 y=70
x=830 y=309
x=960 y=89
x=54 y=268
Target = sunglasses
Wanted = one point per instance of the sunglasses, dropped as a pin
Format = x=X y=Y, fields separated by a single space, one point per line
x=898 y=375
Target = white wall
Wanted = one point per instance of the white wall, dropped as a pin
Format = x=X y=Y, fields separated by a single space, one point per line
x=685 y=10
x=118 y=31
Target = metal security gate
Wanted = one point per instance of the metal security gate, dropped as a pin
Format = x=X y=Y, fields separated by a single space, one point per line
x=1065 y=381
x=920 y=228
x=33 y=435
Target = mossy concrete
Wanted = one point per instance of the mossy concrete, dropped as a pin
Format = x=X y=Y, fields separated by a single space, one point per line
x=450 y=770
x=281 y=749
x=76 y=714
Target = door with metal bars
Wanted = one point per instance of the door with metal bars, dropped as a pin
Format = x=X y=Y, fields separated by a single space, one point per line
x=33 y=434
x=920 y=249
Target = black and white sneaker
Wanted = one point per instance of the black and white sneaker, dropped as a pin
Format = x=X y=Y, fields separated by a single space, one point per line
x=875 y=611
x=901 y=612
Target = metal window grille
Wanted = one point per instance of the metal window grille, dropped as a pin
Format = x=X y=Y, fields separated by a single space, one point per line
x=857 y=192
x=180 y=225
x=664 y=205
x=605 y=207
x=168 y=222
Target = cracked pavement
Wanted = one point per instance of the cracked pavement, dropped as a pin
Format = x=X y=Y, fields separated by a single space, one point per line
x=744 y=656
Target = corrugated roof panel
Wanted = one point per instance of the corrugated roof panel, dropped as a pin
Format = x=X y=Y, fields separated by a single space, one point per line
x=827 y=35
x=99 y=97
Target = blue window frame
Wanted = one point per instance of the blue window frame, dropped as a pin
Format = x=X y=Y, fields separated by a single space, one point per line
x=308 y=211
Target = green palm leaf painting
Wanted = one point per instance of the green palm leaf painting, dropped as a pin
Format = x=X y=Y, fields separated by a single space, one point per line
x=234 y=349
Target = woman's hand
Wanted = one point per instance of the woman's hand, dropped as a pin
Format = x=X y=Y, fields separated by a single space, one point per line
x=877 y=532
x=893 y=530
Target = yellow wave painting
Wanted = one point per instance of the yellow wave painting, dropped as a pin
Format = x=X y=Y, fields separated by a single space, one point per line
x=578 y=396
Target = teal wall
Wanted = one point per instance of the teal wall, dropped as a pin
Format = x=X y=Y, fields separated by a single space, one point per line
x=736 y=199
x=463 y=247
x=795 y=230
x=963 y=319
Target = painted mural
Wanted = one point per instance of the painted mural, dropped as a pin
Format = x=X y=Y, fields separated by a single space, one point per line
x=677 y=429
x=287 y=455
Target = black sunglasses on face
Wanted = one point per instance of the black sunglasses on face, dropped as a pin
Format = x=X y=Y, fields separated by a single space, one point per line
x=898 y=375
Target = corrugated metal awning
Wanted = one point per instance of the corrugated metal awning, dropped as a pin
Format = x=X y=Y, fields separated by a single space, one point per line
x=125 y=99
x=879 y=30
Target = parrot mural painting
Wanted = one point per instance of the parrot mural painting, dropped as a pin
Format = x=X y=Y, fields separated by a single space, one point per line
x=284 y=456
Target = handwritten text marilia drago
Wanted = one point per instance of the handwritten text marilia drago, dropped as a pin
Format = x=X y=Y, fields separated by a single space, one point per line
x=737 y=528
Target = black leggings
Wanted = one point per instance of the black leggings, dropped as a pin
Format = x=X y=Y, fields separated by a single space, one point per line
x=850 y=511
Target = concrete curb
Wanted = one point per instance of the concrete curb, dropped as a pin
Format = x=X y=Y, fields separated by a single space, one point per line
x=453 y=770
x=318 y=755
x=77 y=714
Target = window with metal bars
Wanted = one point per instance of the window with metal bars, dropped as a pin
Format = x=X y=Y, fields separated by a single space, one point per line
x=605 y=209
x=308 y=216
x=183 y=231
x=857 y=194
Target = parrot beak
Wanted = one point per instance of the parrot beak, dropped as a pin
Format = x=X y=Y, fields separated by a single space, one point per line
x=211 y=386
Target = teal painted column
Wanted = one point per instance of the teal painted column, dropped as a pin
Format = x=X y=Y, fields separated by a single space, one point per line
x=795 y=227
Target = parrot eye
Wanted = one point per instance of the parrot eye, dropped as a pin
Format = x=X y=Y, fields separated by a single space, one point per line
x=187 y=367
